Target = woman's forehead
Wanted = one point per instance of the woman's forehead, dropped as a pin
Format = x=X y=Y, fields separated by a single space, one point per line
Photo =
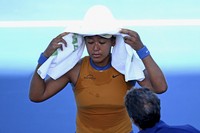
x=95 y=37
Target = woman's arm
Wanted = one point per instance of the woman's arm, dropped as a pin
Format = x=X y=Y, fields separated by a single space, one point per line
x=154 y=78
x=41 y=89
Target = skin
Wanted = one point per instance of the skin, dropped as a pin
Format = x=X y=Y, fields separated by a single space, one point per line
x=99 y=50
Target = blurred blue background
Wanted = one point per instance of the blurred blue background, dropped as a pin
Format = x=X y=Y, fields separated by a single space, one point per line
x=175 y=49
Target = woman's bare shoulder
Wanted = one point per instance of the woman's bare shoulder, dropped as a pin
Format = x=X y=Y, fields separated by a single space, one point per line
x=73 y=74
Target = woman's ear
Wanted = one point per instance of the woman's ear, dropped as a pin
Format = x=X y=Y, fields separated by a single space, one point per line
x=113 y=41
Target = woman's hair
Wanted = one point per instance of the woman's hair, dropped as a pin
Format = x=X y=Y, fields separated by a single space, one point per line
x=143 y=107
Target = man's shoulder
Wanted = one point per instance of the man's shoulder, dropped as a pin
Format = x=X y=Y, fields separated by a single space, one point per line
x=179 y=129
x=185 y=129
x=162 y=127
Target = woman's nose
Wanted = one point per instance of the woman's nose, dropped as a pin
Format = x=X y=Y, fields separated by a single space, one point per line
x=96 y=46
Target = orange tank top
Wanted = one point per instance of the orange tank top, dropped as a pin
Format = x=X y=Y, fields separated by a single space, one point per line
x=100 y=101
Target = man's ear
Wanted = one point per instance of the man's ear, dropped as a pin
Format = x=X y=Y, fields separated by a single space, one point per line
x=135 y=123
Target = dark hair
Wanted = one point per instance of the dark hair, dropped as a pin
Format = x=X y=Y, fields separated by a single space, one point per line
x=143 y=107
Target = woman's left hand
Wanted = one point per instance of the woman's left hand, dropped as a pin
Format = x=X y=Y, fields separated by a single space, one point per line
x=133 y=39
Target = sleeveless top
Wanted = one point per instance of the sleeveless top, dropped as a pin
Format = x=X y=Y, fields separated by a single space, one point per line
x=99 y=96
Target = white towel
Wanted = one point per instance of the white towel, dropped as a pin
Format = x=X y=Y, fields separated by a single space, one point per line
x=126 y=61
x=61 y=62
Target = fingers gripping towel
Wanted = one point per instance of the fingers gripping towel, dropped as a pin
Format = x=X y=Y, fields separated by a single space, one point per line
x=62 y=61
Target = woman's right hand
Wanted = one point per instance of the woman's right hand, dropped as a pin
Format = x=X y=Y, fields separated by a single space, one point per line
x=55 y=44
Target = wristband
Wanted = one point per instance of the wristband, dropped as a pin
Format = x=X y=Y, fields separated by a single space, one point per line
x=143 y=52
x=42 y=59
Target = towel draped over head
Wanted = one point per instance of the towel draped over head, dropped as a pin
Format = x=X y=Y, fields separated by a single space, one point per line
x=98 y=20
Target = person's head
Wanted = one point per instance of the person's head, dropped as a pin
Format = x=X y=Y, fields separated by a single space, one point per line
x=99 y=47
x=143 y=107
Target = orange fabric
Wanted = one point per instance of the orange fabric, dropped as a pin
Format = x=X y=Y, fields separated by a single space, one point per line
x=100 y=101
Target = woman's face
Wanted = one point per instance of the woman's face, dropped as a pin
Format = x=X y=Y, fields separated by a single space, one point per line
x=99 y=48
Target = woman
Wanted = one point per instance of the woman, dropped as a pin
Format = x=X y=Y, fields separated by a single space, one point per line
x=98 y=88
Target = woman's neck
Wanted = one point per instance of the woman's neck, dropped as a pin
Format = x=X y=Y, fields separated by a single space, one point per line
x=101 y=67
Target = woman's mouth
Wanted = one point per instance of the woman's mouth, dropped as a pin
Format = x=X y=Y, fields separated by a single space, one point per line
x=96 y=55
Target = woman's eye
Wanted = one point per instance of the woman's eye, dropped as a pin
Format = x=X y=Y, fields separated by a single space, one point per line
x=102 y=42
x=90 y=42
